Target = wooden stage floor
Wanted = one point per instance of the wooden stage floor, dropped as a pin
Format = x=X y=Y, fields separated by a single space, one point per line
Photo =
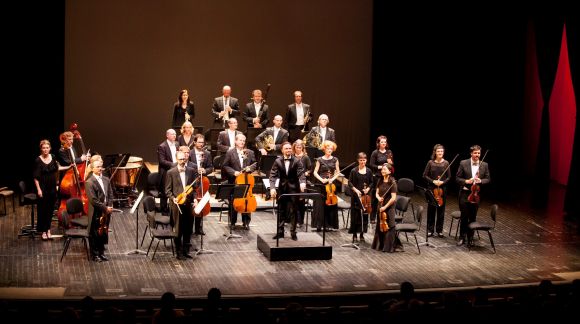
x=531 y=246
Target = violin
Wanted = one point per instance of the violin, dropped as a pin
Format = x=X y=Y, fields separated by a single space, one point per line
x=366 y=201
x=331 y=197
x=438 y=191
x=103 y=224
x=475 y=187
x=182 y=197
x=384 y=226
x=247 y=204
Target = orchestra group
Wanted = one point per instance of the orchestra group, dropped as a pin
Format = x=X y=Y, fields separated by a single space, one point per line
x=302 y=160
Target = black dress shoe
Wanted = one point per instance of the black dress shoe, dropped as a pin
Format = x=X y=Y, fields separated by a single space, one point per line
x=181 y=257
x=278 y=236
x=187 y=256
x=103 y=258
x=294 y=237
x=97 y=259
x=460 y=242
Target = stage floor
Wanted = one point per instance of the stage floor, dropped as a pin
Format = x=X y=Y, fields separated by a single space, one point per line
x=531 y=246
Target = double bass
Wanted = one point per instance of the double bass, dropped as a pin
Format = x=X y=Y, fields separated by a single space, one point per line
x=247 y=204
x=72 y=183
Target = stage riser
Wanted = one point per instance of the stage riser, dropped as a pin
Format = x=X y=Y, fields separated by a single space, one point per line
x=307 y=247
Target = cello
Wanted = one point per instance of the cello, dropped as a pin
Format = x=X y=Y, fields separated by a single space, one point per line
x=438 y=191
x=247 y=204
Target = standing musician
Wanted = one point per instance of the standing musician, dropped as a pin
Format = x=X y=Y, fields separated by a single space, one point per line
x=183 y=109
x=67 y=153
x=290 y=172
x=224 y=108
x=299 y=152
x=186 y=137
x=257 y=112
x=298 y=116
x=166 y=157
x=323 y=133
x=326 y=169
x=236 y=161
x=386 y=194
x=361 y=183
x=100 y=195
x=437 y=175
x=227 y=138
x=379 y=157
x=471 y=174
x=202 y=160
x=177 y=184
x=277 y=136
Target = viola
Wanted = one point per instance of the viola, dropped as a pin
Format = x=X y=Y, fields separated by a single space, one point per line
x=182 y=197
x=384 y=226
x=438 y=194
x=247 y=204
x=103 y=224
x=201 y=190
x=366 y=201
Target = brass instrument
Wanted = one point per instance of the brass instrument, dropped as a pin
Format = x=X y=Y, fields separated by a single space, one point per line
x=313 y=139
x=266 y=142
x=307 y=118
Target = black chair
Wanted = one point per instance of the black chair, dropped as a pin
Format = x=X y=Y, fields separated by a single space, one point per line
x=152 y=183
x=5 y=192
x=149 y=206
x=401 y=206
x=344 y=205
x=411 y=228
x=484 y=226
x=406 y=187
x=455 y=215
x=74 y=206
x=27 y=199
x=161 y=234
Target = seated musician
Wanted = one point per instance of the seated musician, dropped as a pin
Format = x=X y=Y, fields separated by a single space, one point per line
x=269 y=142
x=237 y=160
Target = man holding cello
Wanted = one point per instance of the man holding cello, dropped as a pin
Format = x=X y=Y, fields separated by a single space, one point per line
x=180 y=185
x=238 y=162
x=472 y=173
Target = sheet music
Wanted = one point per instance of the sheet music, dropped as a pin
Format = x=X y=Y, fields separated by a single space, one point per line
x=267 y=183
x=202 y=203
x=136 y=204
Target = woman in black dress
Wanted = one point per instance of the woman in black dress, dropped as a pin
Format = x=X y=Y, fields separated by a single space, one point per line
x=360 y=183
x=386 y=240
x=45 y=179
x=326 y=170
x=437 y=175
x=299 y=151
x=379 y=157
x=183 y=109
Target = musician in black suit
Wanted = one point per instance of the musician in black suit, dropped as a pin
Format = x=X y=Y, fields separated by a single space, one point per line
x=201 y=158
x=298 y=117
x=227 y=138
x=290 y=172
x=178 y=178
x=323 y=133
x=67 y=150
x=166 y=157
x=471 y=172
x=237 y=160
x=257 y=112
x=278 y=134
x=100 y=197
x=224 y=108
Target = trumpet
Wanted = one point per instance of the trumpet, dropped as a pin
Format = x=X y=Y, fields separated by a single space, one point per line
x=266 y=143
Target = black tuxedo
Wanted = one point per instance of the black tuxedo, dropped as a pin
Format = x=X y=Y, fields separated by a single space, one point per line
x=98 y=201
x=206 y=162
x=165 y=163
x=468 y=209
x=290 y=121
x=223 y=141
x=232 y=164
x=250 y=114
x=182 y=221
x=218 y=106
x=289 y=183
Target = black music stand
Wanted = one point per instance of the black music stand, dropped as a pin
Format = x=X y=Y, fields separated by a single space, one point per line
x=231 y=192
x=362 y=212
x=430 y=198
x=304 y=195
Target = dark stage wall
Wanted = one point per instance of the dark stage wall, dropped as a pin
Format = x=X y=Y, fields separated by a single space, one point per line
x=125 y=62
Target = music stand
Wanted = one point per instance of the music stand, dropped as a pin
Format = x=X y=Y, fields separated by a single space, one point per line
x=198 y=209
x=362 y=211
x=430 y=198
x=132 y=211
x=231 y=192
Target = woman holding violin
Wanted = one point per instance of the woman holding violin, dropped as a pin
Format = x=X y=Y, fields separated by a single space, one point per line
x=361 y=184
x=100 y=197
x=379 y=157
x=237 y=165
x=437 y=175
x=180 y=185
x=471 y=175
x=385 y=238
x=326 y=170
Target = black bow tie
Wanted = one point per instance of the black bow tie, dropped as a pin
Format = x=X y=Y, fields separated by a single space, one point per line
x=288 y=159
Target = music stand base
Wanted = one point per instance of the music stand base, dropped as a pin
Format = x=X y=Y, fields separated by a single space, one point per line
x=137 y=252
x=203 y=251
x=351 y=245
x=229 y=236
x=429 y=244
